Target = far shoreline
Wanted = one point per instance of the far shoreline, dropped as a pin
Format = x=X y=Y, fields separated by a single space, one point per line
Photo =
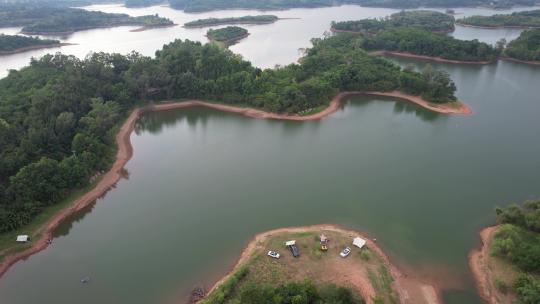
x=125 y=152
x=430 y=58
x=495 y=27
x=35 y=47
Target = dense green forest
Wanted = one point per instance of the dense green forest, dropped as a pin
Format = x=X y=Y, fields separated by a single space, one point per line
x=425 y=43
x=304 y=292
x=428 y=20
x=208 y=5
x=53 y=19
x=518 y=241
x=227 y=35
x=259 y=19
x=525 y=47
x=9 y=43
x=518 y=19
x=58 y=115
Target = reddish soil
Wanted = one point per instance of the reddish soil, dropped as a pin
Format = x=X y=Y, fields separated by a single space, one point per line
x=409 y=289
x=431 y=58
x=34 y=47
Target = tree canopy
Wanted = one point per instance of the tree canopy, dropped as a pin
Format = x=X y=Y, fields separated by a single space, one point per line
x=423 y=19
x=525 y=47
x=10 y=43
x=516 y=19
x=259 y=19
x=227 y=34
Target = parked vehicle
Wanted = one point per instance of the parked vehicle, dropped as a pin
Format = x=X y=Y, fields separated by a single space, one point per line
x=345 y=253
x=273 y=254
x=294 y=250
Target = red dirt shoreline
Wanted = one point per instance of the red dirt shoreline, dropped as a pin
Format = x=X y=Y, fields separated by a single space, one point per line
x=479 y=268
x=497 y=27
x=125 y=152
x=405 y=285
x=34 y=47
x=431 y=58
x=520 y=61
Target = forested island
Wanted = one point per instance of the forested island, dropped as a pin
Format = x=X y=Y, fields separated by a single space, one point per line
x=508 y=265
x=423 y=19
x=410 y=41
x=418 y=34
x=259 y=19
x=526 y=19
x=10 y=44
x=208 y=5
x=526 y=47
x=227 y=35
x=44 y=19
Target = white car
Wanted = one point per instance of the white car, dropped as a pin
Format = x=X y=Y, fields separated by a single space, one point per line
x=273 y=254
x=345 y=253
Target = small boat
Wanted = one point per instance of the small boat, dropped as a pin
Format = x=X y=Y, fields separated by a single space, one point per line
x=85 y=280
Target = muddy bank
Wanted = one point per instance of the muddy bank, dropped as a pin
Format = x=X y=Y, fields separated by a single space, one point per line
x=151 y=27
x=408 y=288
x=431 y=58
x=520 y=61
x=480 y=268
x=497 y=27
x=34 y=47
x=125 y=152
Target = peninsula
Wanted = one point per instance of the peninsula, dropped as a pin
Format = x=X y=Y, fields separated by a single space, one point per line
x=525 y=49
x=12 y=44
x=49 y=179
x=507 y=264
x=526 y=19
x=259 y=19
x=364 y=276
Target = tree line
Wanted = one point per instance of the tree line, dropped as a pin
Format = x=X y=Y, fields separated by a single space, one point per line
x=518 y=242
x=423 y=19
x=58 y=116
x=9 y=43
x=516 y=19
x=259 y=19
x=525 y=47
x=46 y=19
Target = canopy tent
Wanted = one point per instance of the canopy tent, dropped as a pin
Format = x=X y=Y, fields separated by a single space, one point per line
x=22 y=238
x=290 y=243
x=359 y=242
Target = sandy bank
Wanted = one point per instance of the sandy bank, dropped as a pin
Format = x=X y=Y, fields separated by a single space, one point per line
x=34 y=47
x=125 y=152
x=431 y=58
x=480 y=268
x=409 y=289
x=151 y=27
x=497 y=27
x=520 y=61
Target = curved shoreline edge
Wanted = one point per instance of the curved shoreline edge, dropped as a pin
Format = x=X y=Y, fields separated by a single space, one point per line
x=431 y=58
x=479 y=268
x=34 y=47
x=430 y=292
x=125 y=152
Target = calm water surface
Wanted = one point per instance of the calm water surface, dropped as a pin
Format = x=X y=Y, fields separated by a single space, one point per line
x=202 y=182
x=268 y=45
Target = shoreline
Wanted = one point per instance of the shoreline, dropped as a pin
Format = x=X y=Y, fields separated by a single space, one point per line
x=151 y=27
x=85 y=28
x=334 y=30
x=479 y=268
x=229 y=42
x=125 y=152
x=520 y=61
x=230 y=23
x=430 y=292
x=34 y=47
x=431 y=58
x=495 y=27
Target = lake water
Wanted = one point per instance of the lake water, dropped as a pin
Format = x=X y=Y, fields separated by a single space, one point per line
x=202 y=183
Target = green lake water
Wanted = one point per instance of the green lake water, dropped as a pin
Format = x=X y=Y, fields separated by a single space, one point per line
x=202 y=183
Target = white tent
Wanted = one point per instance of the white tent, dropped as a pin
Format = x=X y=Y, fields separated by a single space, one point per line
x=22 y=238
x=290 y=243
x=359 y=242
